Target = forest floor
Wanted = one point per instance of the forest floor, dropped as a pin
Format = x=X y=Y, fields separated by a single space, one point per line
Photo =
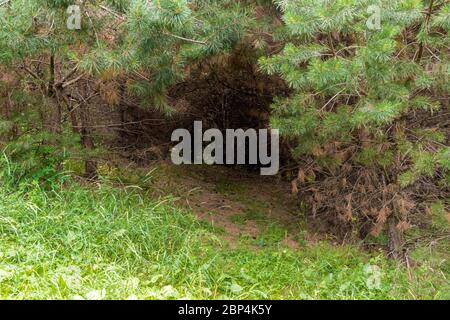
x=166 y=232
x=242 y=204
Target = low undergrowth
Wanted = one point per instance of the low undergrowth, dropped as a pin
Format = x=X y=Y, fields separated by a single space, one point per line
x=104 y=242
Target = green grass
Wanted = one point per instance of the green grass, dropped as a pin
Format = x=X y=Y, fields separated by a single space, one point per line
x=228 y=187
x=104 y=242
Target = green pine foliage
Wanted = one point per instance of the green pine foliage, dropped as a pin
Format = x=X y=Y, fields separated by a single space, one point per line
x=163 y=37
x=348 y=77
x=37 y=46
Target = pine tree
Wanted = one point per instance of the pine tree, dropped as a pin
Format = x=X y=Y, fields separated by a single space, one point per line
x=146 y=44
x=357 y=86
x=161 y=38
x=37 y=44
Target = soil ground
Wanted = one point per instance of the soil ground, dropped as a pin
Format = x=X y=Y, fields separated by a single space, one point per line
x=245 y=205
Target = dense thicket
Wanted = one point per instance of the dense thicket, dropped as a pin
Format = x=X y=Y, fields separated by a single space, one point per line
x=366 y=117
x=370 y=110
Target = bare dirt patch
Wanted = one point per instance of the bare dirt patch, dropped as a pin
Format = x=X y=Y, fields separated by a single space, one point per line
x=243 y=204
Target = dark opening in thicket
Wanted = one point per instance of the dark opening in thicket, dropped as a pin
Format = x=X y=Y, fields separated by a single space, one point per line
x=226 y=92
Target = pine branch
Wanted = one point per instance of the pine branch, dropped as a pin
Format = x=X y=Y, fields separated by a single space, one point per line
x=426 y=22
x=120 y=17
x=69 y=83
x=185 y=39
x=68 y=75
x=30 y=72
x=330 y=42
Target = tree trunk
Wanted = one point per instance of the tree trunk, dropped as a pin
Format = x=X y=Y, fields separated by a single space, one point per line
x=72 y=115
x=14 y=132
x=395 y=239
x=55 y=116
x=87 y=141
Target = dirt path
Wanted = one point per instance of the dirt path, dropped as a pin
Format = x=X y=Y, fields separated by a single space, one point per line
x=245 y=205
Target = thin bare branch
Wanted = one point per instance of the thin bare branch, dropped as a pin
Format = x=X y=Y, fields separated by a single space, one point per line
x=69 y=83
